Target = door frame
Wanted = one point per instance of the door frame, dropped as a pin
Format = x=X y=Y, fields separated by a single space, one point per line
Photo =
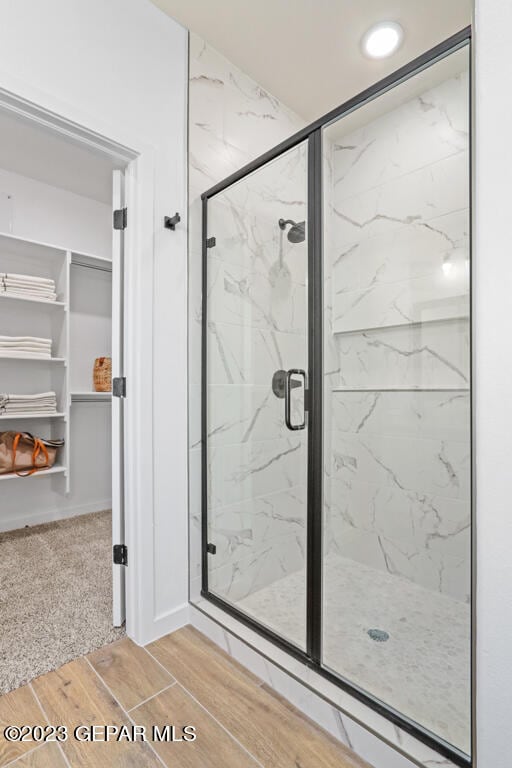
x=138 y=160
x=312 y=657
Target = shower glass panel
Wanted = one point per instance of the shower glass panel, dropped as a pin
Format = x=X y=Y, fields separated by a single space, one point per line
x=397 y=452
x=256 y=323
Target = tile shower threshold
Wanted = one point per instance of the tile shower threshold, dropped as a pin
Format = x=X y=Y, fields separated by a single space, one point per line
x=367 y=725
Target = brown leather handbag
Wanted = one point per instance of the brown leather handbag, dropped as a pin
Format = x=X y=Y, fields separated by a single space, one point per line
x=24 y=454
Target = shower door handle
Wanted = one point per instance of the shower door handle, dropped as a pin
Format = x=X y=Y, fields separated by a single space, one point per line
x=289 y=385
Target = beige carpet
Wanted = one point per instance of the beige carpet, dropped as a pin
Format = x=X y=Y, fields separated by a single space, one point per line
x=55 y=595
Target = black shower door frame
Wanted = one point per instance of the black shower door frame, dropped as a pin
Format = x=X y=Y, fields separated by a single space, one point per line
x=312 y=656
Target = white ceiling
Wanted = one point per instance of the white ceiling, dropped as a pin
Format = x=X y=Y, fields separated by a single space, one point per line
x=35 y=151
x=307 y=52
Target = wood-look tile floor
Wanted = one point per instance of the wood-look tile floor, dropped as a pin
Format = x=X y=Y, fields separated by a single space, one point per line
x=182 y=680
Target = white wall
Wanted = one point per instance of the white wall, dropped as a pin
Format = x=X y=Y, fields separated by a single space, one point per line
x=120 y=69
x=38 y=211
x=492 y=376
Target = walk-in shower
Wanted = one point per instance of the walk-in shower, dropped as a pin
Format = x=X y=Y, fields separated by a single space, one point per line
x=336 y=429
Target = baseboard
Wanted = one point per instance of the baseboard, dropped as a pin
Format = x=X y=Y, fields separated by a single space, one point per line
x=164 y=624
x=49 y=516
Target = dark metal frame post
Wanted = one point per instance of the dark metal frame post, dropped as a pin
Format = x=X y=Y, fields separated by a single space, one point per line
x=315 y=385
x=204 y=402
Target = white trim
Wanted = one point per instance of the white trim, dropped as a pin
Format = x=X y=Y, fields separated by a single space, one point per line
x=21 y=107
x=165 y=624
x=139 y=247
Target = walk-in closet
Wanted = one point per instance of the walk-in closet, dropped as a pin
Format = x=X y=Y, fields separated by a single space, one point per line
x=56 y=356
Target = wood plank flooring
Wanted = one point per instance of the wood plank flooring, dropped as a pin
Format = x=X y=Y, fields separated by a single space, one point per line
x=180 y=680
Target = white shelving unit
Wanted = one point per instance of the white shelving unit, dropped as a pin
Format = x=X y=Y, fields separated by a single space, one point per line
x=88 y=317
x=30 y=300
x=48 y=416
x=55 y=470
x=22 y=359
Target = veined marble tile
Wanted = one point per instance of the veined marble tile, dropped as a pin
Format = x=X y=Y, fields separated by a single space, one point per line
x=238 y=472
x=248 y=356
x=413 y=199
x=243 y=414
x=387 y=147
x=423 y=355
x=423 y=466
x=242 y=576
x=423 y=299
x=438 y=415
x=421 y=537
x=251 y=523
x=419 y=250
x=240 y=296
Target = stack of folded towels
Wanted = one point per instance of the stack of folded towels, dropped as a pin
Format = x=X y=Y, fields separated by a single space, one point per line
x=28 y=286
x=18 y=405
x=25 y=346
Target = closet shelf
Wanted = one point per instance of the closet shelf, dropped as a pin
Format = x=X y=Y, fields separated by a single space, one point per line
x=55 y=470
x=20 y=358
x=30 y=300
x=91 y=397
x=14 y=417
x=91 y=261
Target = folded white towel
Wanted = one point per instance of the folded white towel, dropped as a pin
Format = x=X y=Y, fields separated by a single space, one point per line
x=34 y=339
x=28 y=278
x=30 y=295
x=38 y=396
x=7 y=348
x=29 y=284
x=21 y=344
x=23 y=355
x=46 y=409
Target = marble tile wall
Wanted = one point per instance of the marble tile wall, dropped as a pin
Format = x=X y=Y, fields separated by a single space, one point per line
x=256 y=324
x=397 y=341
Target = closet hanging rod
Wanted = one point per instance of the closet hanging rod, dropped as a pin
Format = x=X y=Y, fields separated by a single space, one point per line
x=87 y=265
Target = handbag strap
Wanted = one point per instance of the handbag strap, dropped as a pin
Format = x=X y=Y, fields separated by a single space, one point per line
x=39 y=447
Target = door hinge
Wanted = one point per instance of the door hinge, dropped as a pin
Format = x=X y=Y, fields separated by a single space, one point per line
x=211 y=242
x=211 y=549
x=120 y=218
x=119 y=386
x=120 y=554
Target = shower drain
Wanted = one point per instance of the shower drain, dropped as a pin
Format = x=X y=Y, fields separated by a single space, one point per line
x=378 y=635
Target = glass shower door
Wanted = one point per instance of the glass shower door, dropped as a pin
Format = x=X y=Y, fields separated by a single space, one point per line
x=255 y=423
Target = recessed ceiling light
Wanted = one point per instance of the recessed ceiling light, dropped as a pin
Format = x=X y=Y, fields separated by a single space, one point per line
x=382 y=39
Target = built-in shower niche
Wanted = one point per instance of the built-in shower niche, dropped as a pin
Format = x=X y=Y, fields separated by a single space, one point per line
x=397 y=516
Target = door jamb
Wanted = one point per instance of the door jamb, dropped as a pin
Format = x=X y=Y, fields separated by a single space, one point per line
x=138 y=160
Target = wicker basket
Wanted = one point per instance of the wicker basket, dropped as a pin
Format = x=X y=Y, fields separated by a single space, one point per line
x=102 y=375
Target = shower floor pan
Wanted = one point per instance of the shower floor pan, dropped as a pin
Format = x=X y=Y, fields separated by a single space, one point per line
x=406 y=645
